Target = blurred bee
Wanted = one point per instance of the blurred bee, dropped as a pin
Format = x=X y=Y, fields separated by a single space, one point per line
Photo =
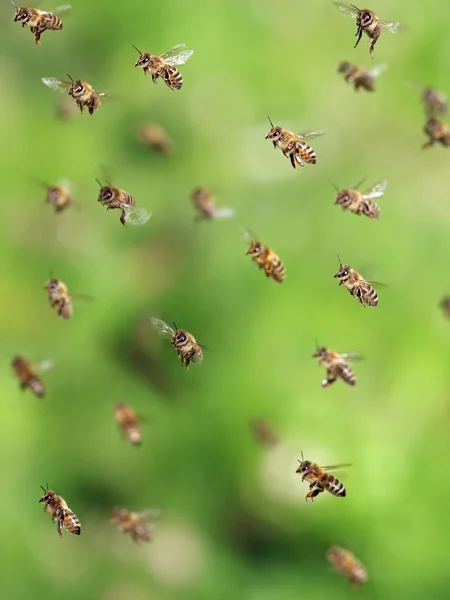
x=128 y=422
x=204 y=201
x=265 y=258
x=345 y=562
x=184 y=342
x=319 y=480
x=26 y=374
x=134 y=523
x=38 y=20
x=445 y=305
x=361 y=203
x=367 y=22
x=359 y=76
x=58 y=295
x=164 y=65
x=336 y=366
x=435 y=102
x=156 y=138
x=59 y=196
x=115 y=198
x=438 y=132
x=293 y=145
x=57 y=507
x=263 y=432
x=357 y=285
x=81 y=91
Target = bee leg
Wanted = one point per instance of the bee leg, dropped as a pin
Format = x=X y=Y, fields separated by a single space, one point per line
x=372 y=45
x=330 y=378
x=293 y=161
x=313 y=493
x=123 y=217
x=60 y=523
x=358 y=33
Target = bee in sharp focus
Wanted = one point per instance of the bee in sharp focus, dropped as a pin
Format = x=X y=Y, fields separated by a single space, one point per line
x=164 y=65
x=59 y=196
x=336 y=366
x=57 y=507
x=345 y=562
x=184 y=342
x=445 y=305
x=264 y=432
x=115 y=198
x=27 y=374
x=133 y=523
x=156 y=138
x=205 y=203
x=58 y=295
x=319 y=480
x=128 y=422
x=265 y=258
x=361 y=77
x=293 y=145
x=38 y=20
x=438 y=132
x=81 y=91
x=367 y=22
x=361 y=203
x=356 y=285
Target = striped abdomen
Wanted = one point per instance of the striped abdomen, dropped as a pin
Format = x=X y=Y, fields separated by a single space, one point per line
x=71 y=522
x=367 y=294
x=304 y=153
x=35 y=385
x=274 y=268
x=332 y=485
x=50 y=21
x=369 y=208
x=132 y=431
x=172 y=77
x=344 y=371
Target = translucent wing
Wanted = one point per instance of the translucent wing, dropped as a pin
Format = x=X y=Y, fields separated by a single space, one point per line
x=61 y=10
x=348 y=10
x=377 y=190
x=223 y=213
x=376 y=71
x=162 y=328
x=390 y=27
x=333 y=467
x=55 y=84
x=247 y=235
x=104 y=95
x=198 y=356
x=149 y=514
x=45 y=364
x=351 y=356
x=137 y=216
x=177 y=55
x=309 y=134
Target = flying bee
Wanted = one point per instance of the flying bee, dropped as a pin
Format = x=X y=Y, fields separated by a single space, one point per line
x=38 y=20
x=58 y=295
x=361 y=203
x=164 y=65
x=435 y=102
x=357 y=285
x=345 y=562
x=319 y=480
x=204 y=201
x=57 y=507
x=115 y=198
x=265 y=258
x=156 y=138
x=81 y=91
x=445 y=305
x=27 y=374
x=367 y=22
x=263 y=432
x=184 y=342
x=59 y=196
x=361 y=77
x=133 y=523
x=438 y=132
x=293 y=145
x=128 y=422
x=336 y=366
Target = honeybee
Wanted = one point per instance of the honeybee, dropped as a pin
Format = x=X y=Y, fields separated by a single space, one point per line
x=128 y=422
x=336 y=366
x=59 y=196
x=26 y=374
x=38 y=20
x=293 y=145
x=204 y=201
x=113 y=197
x=362 y=203
x=345 y=562
x=367 y=22
x=81 y=91
x=164 y=65
x=359 y=76
x=156 y=138
x=438 y=132
x=134 y=522
x=263 y=432
x=57 y=507
x=445 y=305
x=58 y=295
x=319 y=480
x=184 y=342
x=357 y=285
x=435 y=101
x=265 y=258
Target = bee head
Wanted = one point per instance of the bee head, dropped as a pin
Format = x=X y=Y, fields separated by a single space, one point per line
x=145 y=59
x=275 y=132
x=344 y=67
x=48 y=495
x=255 y=248
x=304 y=465
x=343 y=197
x=364 y=17
x=77 y=88
x=343 y=270
x=52 y=284
x=22 y=15
x=180 y=337
x=320 y=353
x=433 y=126
x=106 y=193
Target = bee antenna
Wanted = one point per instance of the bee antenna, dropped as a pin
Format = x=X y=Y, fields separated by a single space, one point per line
x=13 y=3
x=270 y=121
x=301 y=452
x=339 y=260
x=99 y=183
x=69 y=76
x=335 y=186
x=42 y=488
x=355 y=7
x=175 y=325
x=136 y=49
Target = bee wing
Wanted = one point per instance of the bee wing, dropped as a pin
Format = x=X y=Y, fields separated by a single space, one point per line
x=351 y=356
x=65 y=8
x=348 y=10
x=376 y=71
x=137 y=216
x=82 y=297
x=223 y=213
x=198 y=357
x=56 y=84
x=177 y=55
x=247 y=235
x=390 y=27
x=161 y=327
x=44 y=365
x=309 y=134
x=334 y=467
x=104 y=95
x=149 y=514
x=377 y=190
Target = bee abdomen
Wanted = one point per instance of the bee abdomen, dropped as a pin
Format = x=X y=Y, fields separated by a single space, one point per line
x=371 y=209
x=306 y=153
x=173 y=78
x=334 y=486
x=36 y=385
x=72 y=524
x=371 y=297
x=348 y=375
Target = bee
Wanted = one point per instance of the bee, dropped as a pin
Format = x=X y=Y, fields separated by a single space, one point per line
x=319 y=480
x=128 y=422
x=164 y=65
x=345 y=562
x=204 y=201
x=58 y=295
x=438 y=132
x=357 y=285
x=27 y=375
x=156 y=138
x=293 y=145
x=57 y=507
x=134 y=523
x=38 y=20
x=359 y=76
x=263 y=432
x=115 y=198
x=445 y=305
x=184 y=342
x=435 y=102
x=367 y=22
x=265 y=258
x=59 y=196
x=81 y=91
x=361 y=203
x=336 y=366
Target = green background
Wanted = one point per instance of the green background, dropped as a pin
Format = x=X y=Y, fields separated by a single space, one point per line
x=235 y=523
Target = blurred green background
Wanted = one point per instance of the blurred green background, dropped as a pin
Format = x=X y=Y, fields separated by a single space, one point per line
x=235 y=521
